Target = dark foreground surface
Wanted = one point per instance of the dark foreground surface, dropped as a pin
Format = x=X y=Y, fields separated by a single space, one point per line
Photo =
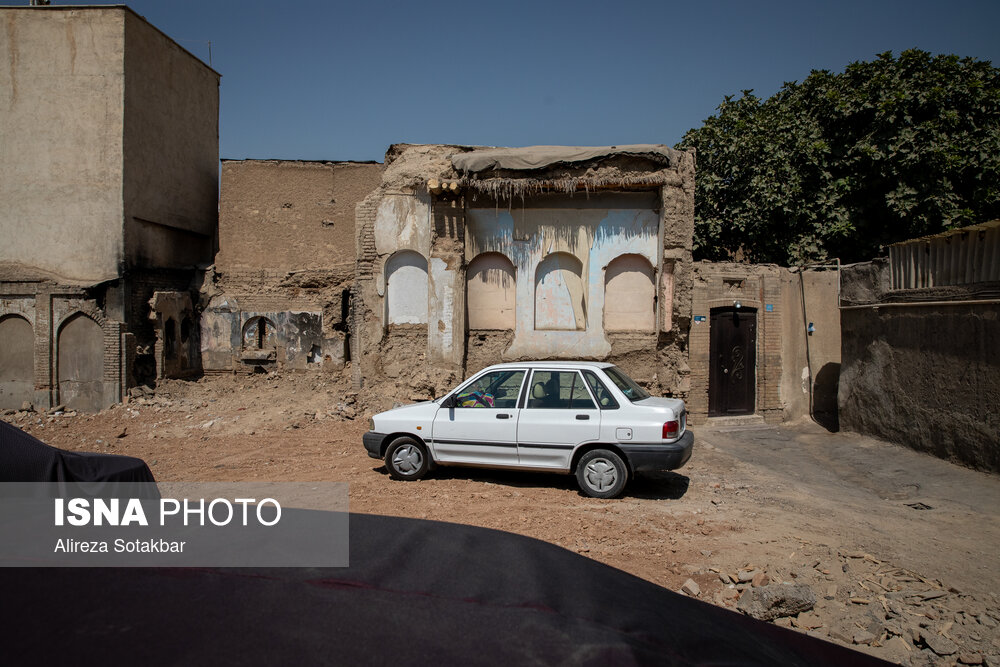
x=417 y=592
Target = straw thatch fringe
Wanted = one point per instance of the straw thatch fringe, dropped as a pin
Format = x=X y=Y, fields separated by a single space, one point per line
x=508 y=188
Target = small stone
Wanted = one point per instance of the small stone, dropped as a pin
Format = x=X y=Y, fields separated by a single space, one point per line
x=123 y=432
x=27 y=406
x=863 y=637
x=970 y=658
x=692 y=588
x=939 y=644
x=745 y=575
x=706 y=553
x=725 y=578
x=760 y=579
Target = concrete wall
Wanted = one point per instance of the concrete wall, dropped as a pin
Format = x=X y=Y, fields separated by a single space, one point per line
x=171 y=151
x=62 y=81
x=920 y=366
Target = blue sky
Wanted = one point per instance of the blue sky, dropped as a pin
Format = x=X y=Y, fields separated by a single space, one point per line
x=333 y=80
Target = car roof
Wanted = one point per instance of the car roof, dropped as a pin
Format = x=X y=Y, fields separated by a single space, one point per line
x=551 y=364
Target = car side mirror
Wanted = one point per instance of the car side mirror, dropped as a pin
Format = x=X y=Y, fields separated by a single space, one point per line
x=449 y=402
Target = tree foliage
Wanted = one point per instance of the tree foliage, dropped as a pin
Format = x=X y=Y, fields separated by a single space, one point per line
x=842 y=164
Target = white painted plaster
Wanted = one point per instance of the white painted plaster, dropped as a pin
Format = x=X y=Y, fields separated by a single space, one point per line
x=592 y=234
x=406 y=288
x=402 y=222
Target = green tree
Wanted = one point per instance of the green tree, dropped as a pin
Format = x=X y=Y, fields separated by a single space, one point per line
x=842 y=164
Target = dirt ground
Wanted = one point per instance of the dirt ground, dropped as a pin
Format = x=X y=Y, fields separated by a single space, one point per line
x=898 y=548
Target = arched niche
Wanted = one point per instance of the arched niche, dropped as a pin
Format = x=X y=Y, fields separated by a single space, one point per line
x=406 y=288
x=16 y=361
x=490 y=292
x=629 y=295
x=80 y=365
x=560 y=297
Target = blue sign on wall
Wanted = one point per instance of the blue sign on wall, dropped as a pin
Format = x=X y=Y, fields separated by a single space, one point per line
x=699 y=318
x=769 y=307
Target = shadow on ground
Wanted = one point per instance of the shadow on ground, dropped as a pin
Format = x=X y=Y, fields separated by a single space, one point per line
x=649 y=486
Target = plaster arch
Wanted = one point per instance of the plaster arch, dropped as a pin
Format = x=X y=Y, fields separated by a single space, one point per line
x=491 y=292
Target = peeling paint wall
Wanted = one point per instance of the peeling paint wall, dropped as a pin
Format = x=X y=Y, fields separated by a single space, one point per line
x=561 y=247
x=525 y=279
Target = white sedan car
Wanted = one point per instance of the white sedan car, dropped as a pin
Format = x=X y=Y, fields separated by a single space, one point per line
x=585 y=418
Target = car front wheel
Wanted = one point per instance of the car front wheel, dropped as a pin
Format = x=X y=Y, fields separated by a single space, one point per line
x=601 y=474
x=406 y=459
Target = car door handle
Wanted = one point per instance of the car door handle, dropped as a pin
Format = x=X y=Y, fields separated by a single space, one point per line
x=503 y=416
x=583 y=417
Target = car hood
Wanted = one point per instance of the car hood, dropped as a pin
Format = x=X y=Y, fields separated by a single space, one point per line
x=422 y=408
x=674 y=404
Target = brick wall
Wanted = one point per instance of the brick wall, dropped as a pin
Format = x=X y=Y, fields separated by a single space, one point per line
x=719 y=285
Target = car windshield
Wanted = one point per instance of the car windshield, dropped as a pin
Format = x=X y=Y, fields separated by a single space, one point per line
x=628 y=386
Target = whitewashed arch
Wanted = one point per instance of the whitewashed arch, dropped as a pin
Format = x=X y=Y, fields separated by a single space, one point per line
x=490 y=288
x=560 y=301
x=629 y=295
x=406 y=288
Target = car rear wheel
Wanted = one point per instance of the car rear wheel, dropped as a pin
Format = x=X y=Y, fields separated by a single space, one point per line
x=406 y=459
x=601 y=474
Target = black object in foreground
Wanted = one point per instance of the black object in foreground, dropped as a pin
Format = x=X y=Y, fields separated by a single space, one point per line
x=417 y=592
x=25 y=458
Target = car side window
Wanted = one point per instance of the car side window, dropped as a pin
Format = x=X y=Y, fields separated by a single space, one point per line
x=560 y=390
x=604 y=397
x=499 y=389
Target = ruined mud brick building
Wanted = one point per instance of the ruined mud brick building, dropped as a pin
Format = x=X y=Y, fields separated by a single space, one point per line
x=469 y=256
x=280 y=293
x=110 y=192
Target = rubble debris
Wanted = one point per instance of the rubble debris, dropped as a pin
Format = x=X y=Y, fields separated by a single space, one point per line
x=775 y=600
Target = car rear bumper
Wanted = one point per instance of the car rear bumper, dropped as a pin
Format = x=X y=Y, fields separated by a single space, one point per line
x=649 y=457
x=373 y=443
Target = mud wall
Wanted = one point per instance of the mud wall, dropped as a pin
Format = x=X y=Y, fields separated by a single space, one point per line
x=920 y=368
x=287 y=255
x=810 y=360
x=544 y=258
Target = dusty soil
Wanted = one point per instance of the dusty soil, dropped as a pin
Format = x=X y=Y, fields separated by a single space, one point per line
x=899 y=548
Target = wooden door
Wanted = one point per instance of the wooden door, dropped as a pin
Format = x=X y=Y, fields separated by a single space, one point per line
x=732 y=379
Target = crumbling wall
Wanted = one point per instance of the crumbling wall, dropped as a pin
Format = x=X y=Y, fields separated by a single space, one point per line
x=287 y=254
x=919 y=366
x=559 y=244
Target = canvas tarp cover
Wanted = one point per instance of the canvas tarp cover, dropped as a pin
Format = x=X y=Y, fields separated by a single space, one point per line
x=539 y=157
x=24 y=458
x=417 y=592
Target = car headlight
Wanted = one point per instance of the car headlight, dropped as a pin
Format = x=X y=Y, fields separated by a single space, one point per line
x=371 y=424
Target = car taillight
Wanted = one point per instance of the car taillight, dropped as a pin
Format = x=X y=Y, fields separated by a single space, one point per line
x=671 y=429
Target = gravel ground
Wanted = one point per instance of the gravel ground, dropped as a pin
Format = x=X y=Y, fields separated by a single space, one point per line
x=897 y=549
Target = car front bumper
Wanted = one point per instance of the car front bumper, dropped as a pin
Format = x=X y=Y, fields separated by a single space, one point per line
x=373 y=443
x=649 y=457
